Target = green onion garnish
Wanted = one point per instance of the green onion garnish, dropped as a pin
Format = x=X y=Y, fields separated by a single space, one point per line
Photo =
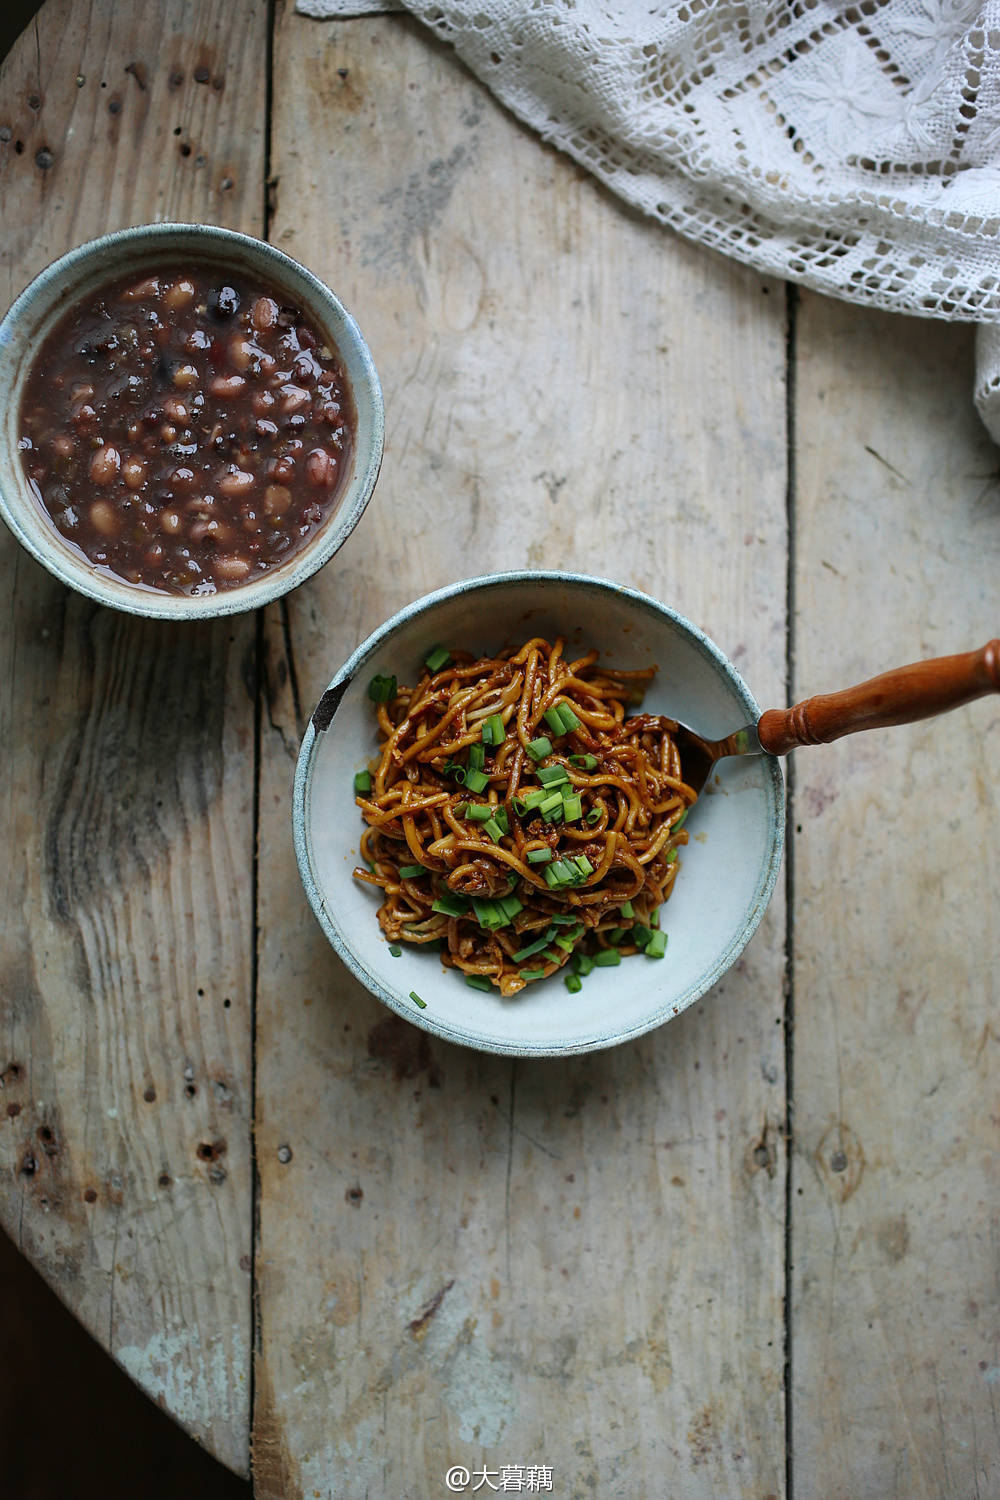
x=573 y=983
x=672 y=855
x=395 y=950
x=641 y=935
x=455 y=771
x=500 y=817
x=554 y=719
x=382 y=689
x=417 y=1000
x=540 y=748
x=594 y=816
x=532 y=799
x=572 y=807
x=615 y=935
x=583 y=964
x=531 y=948
x=654 y=920
x=437 y=658
x=627 y=909
x=565 y=942
x=492 y=827
x=680 y=821
x=477 y=757
x=450 y=905
x=490 y=914
x=531 y=973
x=478 y=982
x=607 y=958
x=552 y=775
x=510 y=904
x=476 y=781
x=539 y=856
x=560 y=920
x=657 y=945
x=363 y=781
x=493 y=732
x=585 y=762
x=408 y=872
x=583 y=864
x=552 y=808
x=479 y=812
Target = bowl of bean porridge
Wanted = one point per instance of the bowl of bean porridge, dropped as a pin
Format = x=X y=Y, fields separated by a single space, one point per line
x=193 y=422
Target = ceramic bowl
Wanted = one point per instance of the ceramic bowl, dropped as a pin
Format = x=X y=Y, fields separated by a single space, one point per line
x=80 y=272
x=729 y=867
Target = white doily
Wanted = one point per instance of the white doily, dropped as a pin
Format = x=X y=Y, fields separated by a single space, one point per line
x=852 y=148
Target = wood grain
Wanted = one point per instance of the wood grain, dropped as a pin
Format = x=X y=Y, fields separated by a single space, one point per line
x=125 y=1044
x=894 y=1225
x=461 y=1259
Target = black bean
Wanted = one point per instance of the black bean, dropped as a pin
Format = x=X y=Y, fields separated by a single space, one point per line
x=224 y=302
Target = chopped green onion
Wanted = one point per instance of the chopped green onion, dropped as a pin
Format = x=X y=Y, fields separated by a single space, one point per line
x=680 y=821
x=492 y=827
x=574 y=983
x=569 y=718
x=454 y=770
x=450 y=905
x=583 y=864
x=654 y=920
x=583 y=964
x=363 y=781
x=510 y=904
x=615 y=935
x=409 y=871
x=477 y=757
x=479 y=812
x=493 y=731
x=476 y=781
x=552 y=775
x=489 y=914
x=607 y=958
x=500 y=817
x=561 y=920
x=585 y=762
x=531 y=948
x=460 y=809
x=531 y=973
x=395 y=950
x=536 y=795
x=553 y=958
x=641 y=935
x=627 y=909
x=552 y=808
x=382 y=689
x=672 y=855
x=540 y=748
x=572 y=807
x=594 y=816
x=565 y=942
x=478 y=982
x=554 y=719
x=439 y=657
x=539 y=856
x=417 y=1000
x=657 y=945
x=560 y=872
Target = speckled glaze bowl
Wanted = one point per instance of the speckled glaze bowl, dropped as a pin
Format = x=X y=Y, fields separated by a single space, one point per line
x=89 y=266
x=729 y=867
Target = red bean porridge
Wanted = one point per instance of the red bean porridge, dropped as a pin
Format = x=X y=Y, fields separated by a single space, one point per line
x=186 y=430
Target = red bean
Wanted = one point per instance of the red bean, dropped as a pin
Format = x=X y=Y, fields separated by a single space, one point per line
x=134 y=473
x=277 y=499
x=103 y=517
x=321 y=470
x=230 y=567
x=235 y=482
x=226 y=387
x=105 y=464
x=185 y=377
x=264 y=314
x=179 y=294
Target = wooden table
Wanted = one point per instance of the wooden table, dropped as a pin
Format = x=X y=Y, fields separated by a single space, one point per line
x=756 y=1250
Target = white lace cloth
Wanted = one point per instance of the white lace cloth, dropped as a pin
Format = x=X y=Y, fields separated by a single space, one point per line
x=852 y=148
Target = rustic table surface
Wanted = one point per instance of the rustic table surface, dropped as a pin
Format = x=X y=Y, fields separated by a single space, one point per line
x=753 y=1252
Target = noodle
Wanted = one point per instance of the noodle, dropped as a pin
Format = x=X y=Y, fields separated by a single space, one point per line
x=518 y=816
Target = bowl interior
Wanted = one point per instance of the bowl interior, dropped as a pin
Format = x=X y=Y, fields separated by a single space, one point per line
x=35 y=313
x=728 y=868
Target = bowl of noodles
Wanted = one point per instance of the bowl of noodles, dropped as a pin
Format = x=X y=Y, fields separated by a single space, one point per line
x=492 y=823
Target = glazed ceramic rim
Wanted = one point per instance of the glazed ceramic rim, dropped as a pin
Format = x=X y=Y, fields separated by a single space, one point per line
x=325 y=713
x=39 y=304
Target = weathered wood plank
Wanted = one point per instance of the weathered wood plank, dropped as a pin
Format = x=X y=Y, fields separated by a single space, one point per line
x=127 y=888
x=894 y=1227
x=462 y=1260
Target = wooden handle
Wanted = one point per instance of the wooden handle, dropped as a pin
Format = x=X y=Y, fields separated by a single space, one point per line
x=899 y=697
